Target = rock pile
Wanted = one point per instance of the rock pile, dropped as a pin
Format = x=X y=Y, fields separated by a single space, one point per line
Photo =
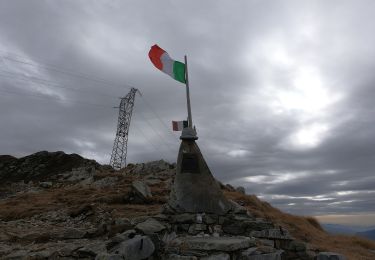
x=236 y=235
x=93 y=212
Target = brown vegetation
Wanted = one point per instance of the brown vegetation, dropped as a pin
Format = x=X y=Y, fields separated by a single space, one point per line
x=73 y=197
x=308 y=229
x=116 y=200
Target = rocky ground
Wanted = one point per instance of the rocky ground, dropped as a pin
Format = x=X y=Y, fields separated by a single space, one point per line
x=59 y=206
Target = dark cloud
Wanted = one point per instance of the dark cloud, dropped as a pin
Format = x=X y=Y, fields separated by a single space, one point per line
x=282 y=92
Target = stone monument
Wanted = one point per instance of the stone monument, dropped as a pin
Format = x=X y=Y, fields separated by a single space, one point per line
x=195 y=190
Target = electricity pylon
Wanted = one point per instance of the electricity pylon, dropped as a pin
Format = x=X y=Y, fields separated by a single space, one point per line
x=120 y=146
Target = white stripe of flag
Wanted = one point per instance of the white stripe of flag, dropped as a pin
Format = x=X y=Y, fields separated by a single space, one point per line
x=178 y=125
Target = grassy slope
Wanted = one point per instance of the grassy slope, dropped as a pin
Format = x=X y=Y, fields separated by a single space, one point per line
x=308 y=229
x=304 y=228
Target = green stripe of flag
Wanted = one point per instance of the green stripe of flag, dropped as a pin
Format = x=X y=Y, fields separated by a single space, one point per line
x=179 y=71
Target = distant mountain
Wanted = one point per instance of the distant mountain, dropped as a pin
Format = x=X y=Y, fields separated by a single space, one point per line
x=370 y=234
x=40 y=166
x=344 y=229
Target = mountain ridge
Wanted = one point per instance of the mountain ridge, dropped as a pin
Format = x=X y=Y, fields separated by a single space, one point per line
x=369 y=234
x=82 y=193
x=334 y=228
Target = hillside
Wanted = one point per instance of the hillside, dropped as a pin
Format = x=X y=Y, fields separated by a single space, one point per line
x=40 y=166
x=370 y=234
x=74 y=207
x=340 y=229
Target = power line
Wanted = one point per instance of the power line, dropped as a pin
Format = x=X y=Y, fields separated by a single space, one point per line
x=55 y=68
x=23 y=77
x=21 y=59
x=164 y=141
x=147 y=140
x=158 y=117
x=18 y=76
x=53 y=98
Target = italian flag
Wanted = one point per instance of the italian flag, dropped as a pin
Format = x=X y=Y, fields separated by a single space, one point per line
x=163 y=62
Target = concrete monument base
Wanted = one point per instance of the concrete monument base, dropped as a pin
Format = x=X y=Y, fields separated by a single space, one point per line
x=195 y=190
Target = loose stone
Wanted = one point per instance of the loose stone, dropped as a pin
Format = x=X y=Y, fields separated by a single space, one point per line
x=226 y=244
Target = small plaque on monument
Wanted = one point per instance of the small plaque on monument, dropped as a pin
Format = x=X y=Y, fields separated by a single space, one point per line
x=189 y=163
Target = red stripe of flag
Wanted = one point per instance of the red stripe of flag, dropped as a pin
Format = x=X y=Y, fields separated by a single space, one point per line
x=175 y=125
x=155 y=54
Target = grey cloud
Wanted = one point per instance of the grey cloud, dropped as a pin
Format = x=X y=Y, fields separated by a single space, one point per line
x=242 y=57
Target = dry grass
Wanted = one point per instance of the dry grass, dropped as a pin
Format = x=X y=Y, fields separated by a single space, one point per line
x=308 y=229
x=113 y=200
x=29 y=204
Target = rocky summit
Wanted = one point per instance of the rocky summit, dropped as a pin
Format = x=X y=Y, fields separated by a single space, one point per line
x=60 y=206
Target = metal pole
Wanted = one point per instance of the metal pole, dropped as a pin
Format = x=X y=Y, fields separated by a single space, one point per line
x=190 y=119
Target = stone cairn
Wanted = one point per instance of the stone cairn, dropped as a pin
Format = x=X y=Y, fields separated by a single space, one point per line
x=206 y=225
x=198 y=222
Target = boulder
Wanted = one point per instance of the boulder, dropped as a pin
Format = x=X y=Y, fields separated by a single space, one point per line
x=66 y=249
x=234 y=228
x=45 y=184
x=184 y=218
x=122 y=221
x=168 y=237
x=117 y=239
x=120 y=225
x=297 y=246
x=241 y=189
x=237 y=208
x=150 y=167
x=106 y=256
x=105 y=182
x=274 y=233
x=92 y=250
x=86 y=182
x=267 y=242
x=238 y=227
x=43 y=254
x=271 y=256
x=150 y=226
x=197 y=228
x=141 y=190
x=136 y=248
x=80 y=174
x=230 y=187
x=180 y=257
x=157 y=166
x=248 y=252
x=226 y=244
x=220 y=256
x=135 y=221
x=329 y=256
x=81 y=210
x=152 y=181
x=18 y=254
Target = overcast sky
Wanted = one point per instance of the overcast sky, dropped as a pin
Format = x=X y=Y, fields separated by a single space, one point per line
x=282 y=91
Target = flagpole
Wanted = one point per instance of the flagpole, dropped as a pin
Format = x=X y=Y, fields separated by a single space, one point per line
x=190 y=119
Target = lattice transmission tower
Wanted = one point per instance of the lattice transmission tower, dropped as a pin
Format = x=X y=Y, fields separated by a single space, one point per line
x=120 y=145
